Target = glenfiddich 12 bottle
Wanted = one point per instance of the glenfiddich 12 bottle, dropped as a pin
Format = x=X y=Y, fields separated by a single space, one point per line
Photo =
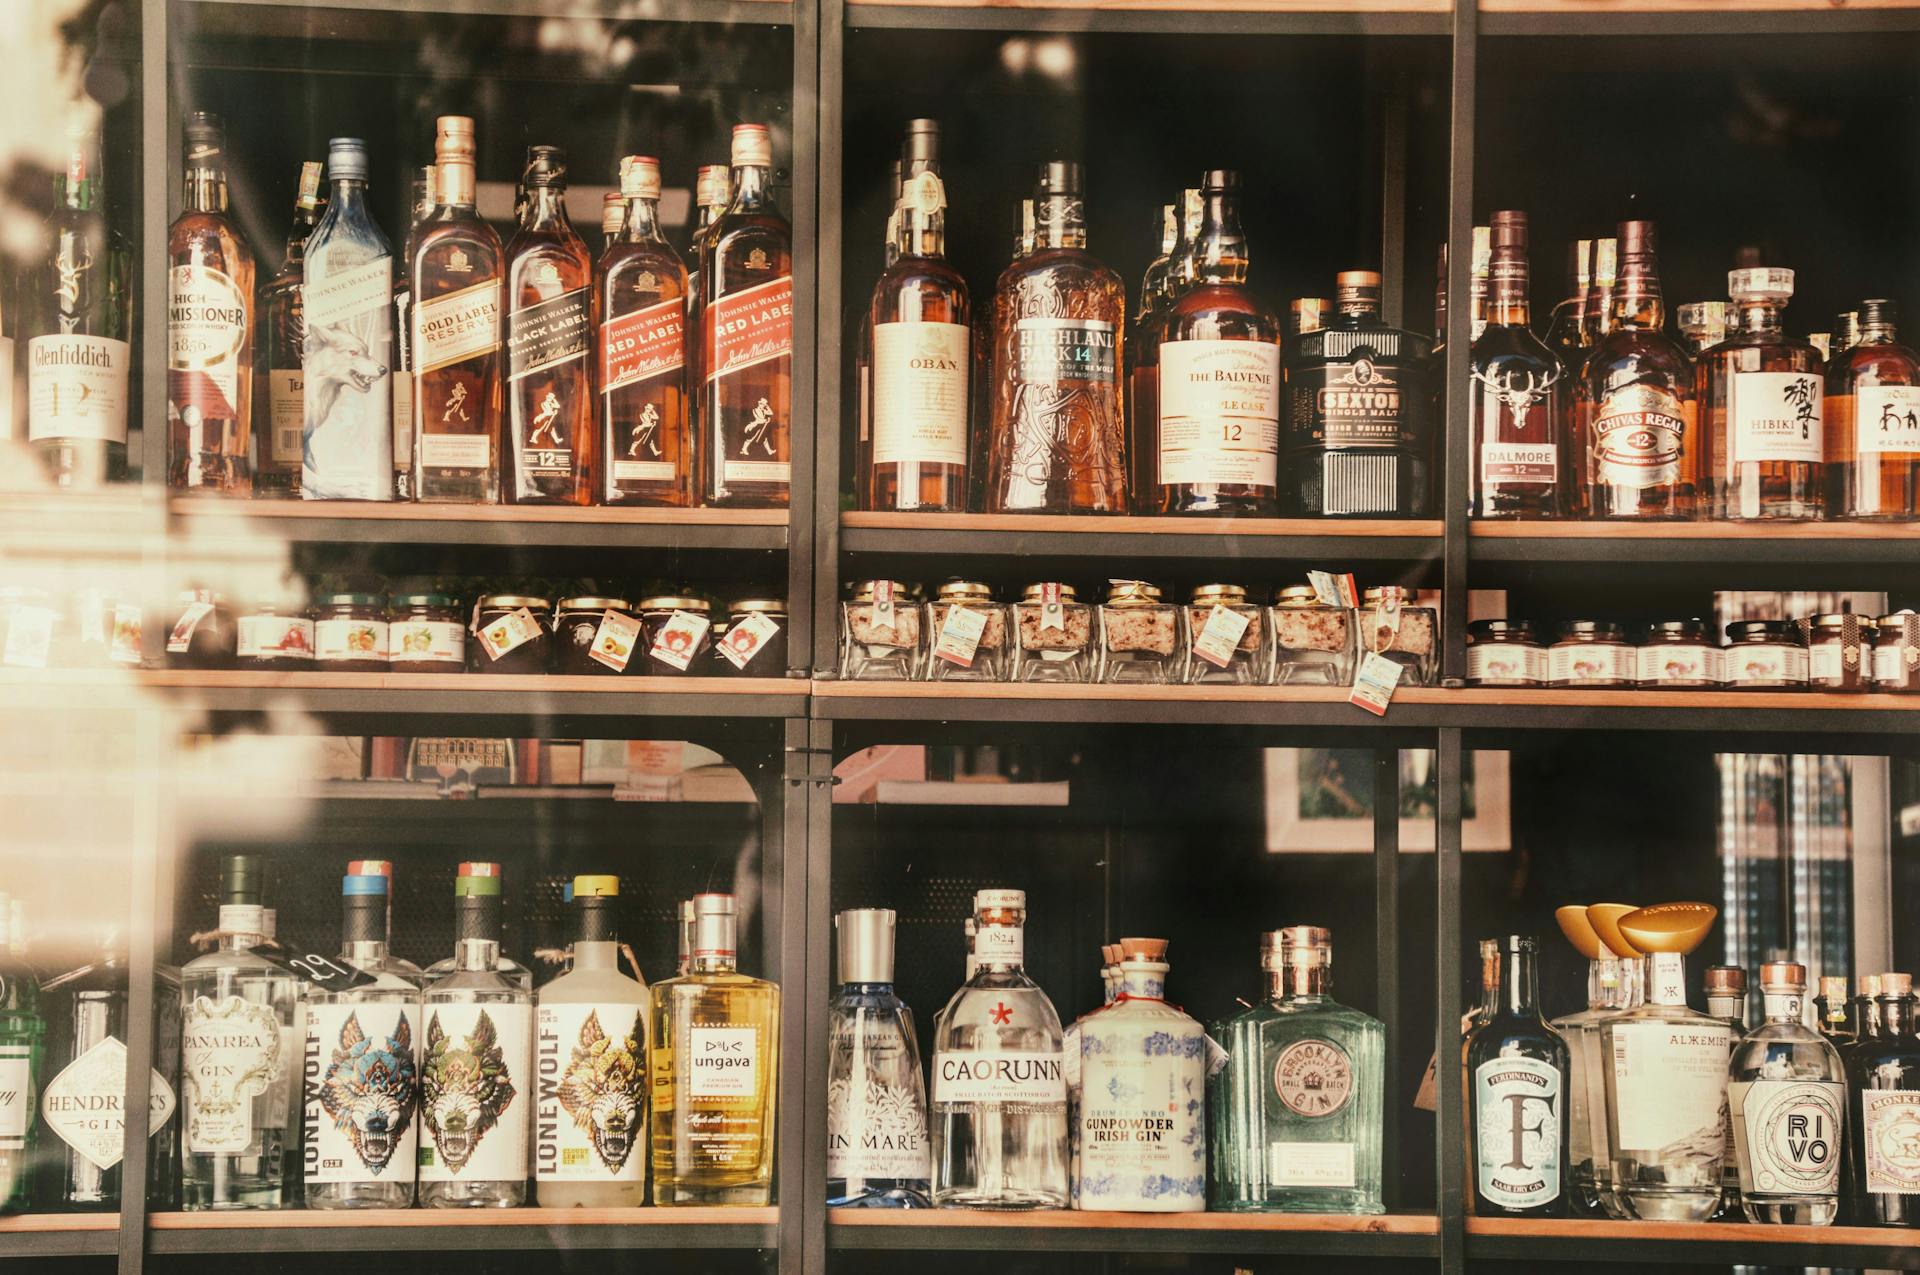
x=1760 y=396
x=279 y=410
x=551 y=423
x=645 y=440
x=1521 y=467
x=1873 y=423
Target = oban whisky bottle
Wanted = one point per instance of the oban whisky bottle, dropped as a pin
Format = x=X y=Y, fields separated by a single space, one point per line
x=645 y=439
x=209 y=326
x=551 y=422
x=1883 y=1075
x=1217 y=427
x=1058 y=439
x=1519 y=400
x=1787 y=1098
x=1760 y=393
x=278 y=395
x=1518 y=1086
x=1872 y=410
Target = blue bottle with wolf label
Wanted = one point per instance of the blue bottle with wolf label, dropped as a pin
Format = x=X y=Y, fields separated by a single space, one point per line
x=347 y=427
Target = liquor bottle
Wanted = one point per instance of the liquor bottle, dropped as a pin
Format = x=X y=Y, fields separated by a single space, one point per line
x=456 y=274
x=237 y=1012
x=1143 y=370
x=1872 y=419
x=714 y=1052
x=746 y=338
x=1070 y=1045
x=613 y=215
x=1726 y=987
x=1666 y=1088
x=1628 y=995
x=348 y=315
x=1864 y=1008
x=1519 y=1069
x=1884 y=1075
x=476 y=1077
x=1480 y=269
x=918 y=332
x=876 y=1096
x=362 y=1065
x=1057 y=441
x=685 y=961
x=82 y=1102
x=1833 y=1011
x=1569 y=327
x=77 y=318
x=1787 y=1095
x=646 y=440
x=279 y=404
x=209 y=326
x=712 y=191
x=1522 y=467
x=1759 y=393
x=1217 y=419
x=1297 y=1109
x=1586 y=1082
x=1153 y=282
x=1703 y=324
x=1599 y=315
x=1634 y=403
x=23 y=1033
x=550 y=405
x=425 y=196
x=1359 y=426
x=999 y=1082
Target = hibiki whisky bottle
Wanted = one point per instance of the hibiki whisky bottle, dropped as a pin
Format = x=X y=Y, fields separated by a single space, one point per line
x=362 y=1065
x=1787 y=1098
x=590 y=1052
x=876 y=1096
x=1883 y=1074
x=552 y=426
x=1518 y=1071
x=1760 y=396
x=1522 y=466
x=22 y=1037
x=279 y=405
x=999 y=1081
x=1872 y=411
x=1586 y=1082
x=646 y=441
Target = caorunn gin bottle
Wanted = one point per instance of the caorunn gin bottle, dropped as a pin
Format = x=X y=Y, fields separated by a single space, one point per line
x=999 y=1083
x=1787 y=1096
x=876 y=1099
x=1517 y=1085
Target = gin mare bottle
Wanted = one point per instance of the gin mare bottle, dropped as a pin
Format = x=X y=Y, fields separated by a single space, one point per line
x=876 y=1099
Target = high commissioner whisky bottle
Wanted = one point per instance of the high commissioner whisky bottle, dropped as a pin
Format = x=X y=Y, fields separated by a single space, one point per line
x=209 y=326
x=646 y=444
x=551 y=422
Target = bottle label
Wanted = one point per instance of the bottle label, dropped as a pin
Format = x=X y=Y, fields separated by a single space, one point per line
x=455 y=451
x=1219 y=412
x=876 y=1109
x=349 y=640
x=1766 y=662
x=1890 y=1128
x=744 y=639
x=546 y=334
x=16 y=1096
x=270 y=636
x=1592 y=662
x=1219 y=637
x=1669 y=986
x=920 y=393
x=1313 y=1078
x=29 y=636
x=362 y=1082
x=229 y=1055
x=1027 y=1078
x=723 y=1062
x=1058 y=351
x=1519 y=463
x=1637 y=437
x=1677 y=663
x=1348 y=405
x=1833 y=661
x=1887 y=418
x=643 y=344
x=456 y=325
x=1140 y=1140
x=1887 y=666
x=477 y=1057
x=679 y=638
x=614 y=639
x=441 y=641
x=207 y=320
x=1518 y=1109
x=590 y=1115
x=744 y=330
x=1310 y=1164
x=1000 y=945
x=77 y=387
x=514 y=629
x=1671 y=1082
x=286 y=416
x=1788 y=1135
x=748 y=327
x=85 y=1104
x=1506 y=662
x=347 y=399
x=1774 y=416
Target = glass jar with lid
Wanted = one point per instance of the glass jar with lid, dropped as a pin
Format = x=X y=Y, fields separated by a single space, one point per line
x=1055 y=635
x=275 y=635
x=1314 y=643
x=29 y=624
x=202 y=634
x=752 y=640
x=1896 y=652
x=350 y=633
x=594 y=637
x=509 y=634
x=1765 y=655
x=676 y=634
x=966 y=635
x=1840 y=652
x=1680 y=655
x=1395 y=629
x=1139 y=635
x=1592 y=655
x=880 y=633
x=1505 y=653
x=424 y=633
x=1224 y=637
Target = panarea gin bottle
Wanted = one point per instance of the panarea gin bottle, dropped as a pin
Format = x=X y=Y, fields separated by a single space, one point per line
x=1787 y=1096
x=1518 y=1085
x=362 y=1066
x=1587 y=1089
x=1297 y=1108
x=477 y=1073
x=1143 y=1084
x=999 y=1080
x=876 y=1099
x=590 y=1115
x=235 y=1008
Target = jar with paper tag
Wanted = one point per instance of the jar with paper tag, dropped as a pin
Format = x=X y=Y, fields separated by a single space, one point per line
x=201 y=633
x=967 y=631
x=752 y=640
x=509 y=634
x=100 y=629
x=1225 y=637
x=1765 y=655
x=29 y=622
x=1056 y=635
x=1315 y=642
x=1896 y=652
x=1393 y=628
x=676 y=636
x=594 y=637
x=880 y=633
x=1592 y=655
x=1840 y=650
x=1139 y=635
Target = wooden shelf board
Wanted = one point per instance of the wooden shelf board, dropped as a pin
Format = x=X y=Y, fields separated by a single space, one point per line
x=1469 y=697
x=1079 y=1220
x=1186 y=6
x=320 y=1220
x=1580 y=529
x=379 y=511
x=43 y=1223
x=1726 y=8
x=1157 y=526
x=502 y=684
x=1600 y=1230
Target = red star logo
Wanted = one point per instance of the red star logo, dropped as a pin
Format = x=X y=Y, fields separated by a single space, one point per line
x=1001 y=1015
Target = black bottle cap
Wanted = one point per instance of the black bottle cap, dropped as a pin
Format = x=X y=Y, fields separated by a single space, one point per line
x=364 y=918
x=1220 y=181
x=477 y=916
x=921 y=153
x=546 y=166
x=243 y=878
x=205 y=134
x=1509 y=229
x=593 y=919
x=1061 y=177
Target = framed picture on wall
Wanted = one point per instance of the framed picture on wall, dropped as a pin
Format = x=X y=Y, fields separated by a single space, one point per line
x=1320 y=801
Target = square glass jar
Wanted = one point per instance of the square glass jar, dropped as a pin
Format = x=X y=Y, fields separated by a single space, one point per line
x=962 y=660
x=1248 y=662
x=1053 y=635
x=1406 y=634
x=881 y=633
x=1314 y=644
x=1139 y=635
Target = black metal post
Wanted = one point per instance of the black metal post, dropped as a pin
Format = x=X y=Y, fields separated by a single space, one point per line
x=1466 y=16
x=809 y=408
x=784 y=940
x=149 y=925
x=1449 y=1144
x=828 y=374
x=1386 y=948
x=815 y=822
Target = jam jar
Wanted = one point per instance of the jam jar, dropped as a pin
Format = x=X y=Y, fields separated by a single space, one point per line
x=509 y=634
x=1765 y=655
x=1505 y=653
x=1896 y=652
x=966 y=634
x=1393 y=628
x=350 y=633
x=202 y=634
x=593 y=636
x=1314 y=643
x=102 y=631
x=1139 y=635
x=1840 y=652
x=676 y=634
x=1056 y=635
x=424 y=634
x=1219 y=647
x=274 y=635
x=879 y=633
x=1679 y=655
x=28 y=624
x=1592 y=655
x=753 y=640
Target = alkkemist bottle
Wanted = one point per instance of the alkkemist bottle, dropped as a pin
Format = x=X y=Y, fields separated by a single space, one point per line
x=476 y=1078
x=1787 y=1097
x=876 y=1095
x=1872 y=423
x=590 y=1056
x=237 y=1019
x=1586 y=1082
x=22 y=1037
x=1883 y=1135
x=1522 y=466
x=362 y=1066
x=715 y=1064
x=646 y=441
x=1519 y=1094
x=551 y=422
x=348 y=370
x=279 y=404
x=1760 y=394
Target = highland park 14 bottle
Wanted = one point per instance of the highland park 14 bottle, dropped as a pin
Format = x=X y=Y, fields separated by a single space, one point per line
x=645 y=439
x=550 y=408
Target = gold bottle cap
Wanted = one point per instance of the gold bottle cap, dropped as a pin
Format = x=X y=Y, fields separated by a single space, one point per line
x=965 y=591
x=1228 y=595
x=714 y=185
x=1579 y=930
x=675 y=602
x=1143 y=949
x=1110 y=953
x=1033 y=592
x=1834 y=988
x=1132 y=593
x=1308 y=314
x=453 y=139
x=863 y=592
x=1783 y=978
x=639 y=177
x=752 y=146
x=1669 y=927
x=590 y=603
x=1297 y=595
x=1726 y=980
x=1897 y=986
x=1606 y=923
x=761 y=606
x=1870 y=984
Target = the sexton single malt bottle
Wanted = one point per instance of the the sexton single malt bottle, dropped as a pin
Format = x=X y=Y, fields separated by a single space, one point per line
x=1519 y=1099
x=1872 y=411
x=279 y=411
x=1519 y=399
x=1760 y=394
x=552 y=427
x=348 y=315
x=1787 y=1098
x=646 y=441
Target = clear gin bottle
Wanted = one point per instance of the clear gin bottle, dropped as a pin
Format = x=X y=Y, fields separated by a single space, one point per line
x=1787 y=1095
x=876 y=1098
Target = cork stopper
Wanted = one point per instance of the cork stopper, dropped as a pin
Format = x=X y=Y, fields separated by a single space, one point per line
x=1726 y=980
x=1869 y=985
x=1787 y=978
x=1896 y=986
x=1834 y=988
x=1143 y=949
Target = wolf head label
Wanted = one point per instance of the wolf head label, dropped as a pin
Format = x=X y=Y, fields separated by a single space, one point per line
x=467 y=1088
x=592 y=1092
x=360 y=1107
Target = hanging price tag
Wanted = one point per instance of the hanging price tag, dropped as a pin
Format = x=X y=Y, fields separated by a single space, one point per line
x=960 y=635
x=882 y=605
x=1374 y=682
x=744 y=640
x=679 y=638
x=29 y=635
x=126 y=635
x=1220 y=636
x=1332 y=590
x=1052 y=614
x=614 y=640
x=181 y=635
x=516 y=628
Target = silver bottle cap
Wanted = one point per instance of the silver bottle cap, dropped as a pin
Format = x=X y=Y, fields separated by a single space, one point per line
x=1760 y=283
x=865 y=944
x=713 y=926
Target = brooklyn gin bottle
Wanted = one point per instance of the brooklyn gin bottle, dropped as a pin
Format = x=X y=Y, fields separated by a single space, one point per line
x=1519 y=1094
x=646 y=442
x=876 y=1096
x=348 y=368
x=22 y=1036
x=1787 y=1097
x=1883 y=1136
x=1586 y=1084
x=999 y=1082
x=476 y=1079
x=552 y=426
x=1519 y=400
x=279 y=410
x=1760 y=404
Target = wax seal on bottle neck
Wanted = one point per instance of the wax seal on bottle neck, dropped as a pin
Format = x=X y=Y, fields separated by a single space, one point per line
x=1783 y=978
x=864 y=939
x=1726 y=981
x=640 y=177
